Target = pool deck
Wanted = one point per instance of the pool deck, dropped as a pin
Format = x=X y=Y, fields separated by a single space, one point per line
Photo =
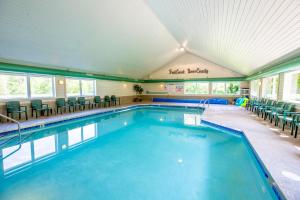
x=278 y=150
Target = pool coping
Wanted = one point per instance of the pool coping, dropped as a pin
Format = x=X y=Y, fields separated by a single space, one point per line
x=50 y=122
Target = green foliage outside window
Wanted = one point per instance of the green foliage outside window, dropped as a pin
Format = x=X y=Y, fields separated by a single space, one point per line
x=233 y=88
x=73 y=87
x=12 y=86
x=41 y=86
x=196 y=88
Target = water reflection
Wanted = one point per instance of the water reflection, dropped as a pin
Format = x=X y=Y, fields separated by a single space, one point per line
x=192 y=119
x=22 y=156
x=18 y=156
x=44 y=146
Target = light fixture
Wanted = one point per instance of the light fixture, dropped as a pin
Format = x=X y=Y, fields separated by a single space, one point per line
x=124 y=85
x=181 y=49
x=161 y=85
x=60 y=82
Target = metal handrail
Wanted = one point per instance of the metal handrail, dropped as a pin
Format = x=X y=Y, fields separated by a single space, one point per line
x=206 y=101
x=15 y=121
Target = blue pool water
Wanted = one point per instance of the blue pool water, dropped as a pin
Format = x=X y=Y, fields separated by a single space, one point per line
x=145 y=153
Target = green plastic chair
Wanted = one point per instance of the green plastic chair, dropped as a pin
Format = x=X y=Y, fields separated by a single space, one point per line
x=250 y=103
x=286 y=116
x=72 y=102
x=82 y=102
x=261 y=107
x=38 y=106
x=14 y=107
x=257 y=104
x=268 y=110
x=113 y=100
x=296 y=124
x=62 y=105
x=98 y=101
x=107 y=101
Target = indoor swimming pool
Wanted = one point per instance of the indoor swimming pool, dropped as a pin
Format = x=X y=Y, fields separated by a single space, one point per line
x=145 y=152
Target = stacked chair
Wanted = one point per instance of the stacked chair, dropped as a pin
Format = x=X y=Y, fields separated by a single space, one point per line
x=278 y=111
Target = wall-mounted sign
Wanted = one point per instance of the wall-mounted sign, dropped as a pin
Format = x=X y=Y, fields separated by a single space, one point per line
x=188 y=71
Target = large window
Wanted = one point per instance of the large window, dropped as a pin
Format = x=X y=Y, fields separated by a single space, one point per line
x=226 y=88
x=196 y=88
x=41 y=86
x=270 y=87
x=88 y=87
x=13 y=86
x=292 y=86
x=254 y=88
x=17 y=86
x=80 y=87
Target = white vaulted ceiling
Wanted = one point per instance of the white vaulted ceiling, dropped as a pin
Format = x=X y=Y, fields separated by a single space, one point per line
x=113 y=37
x=133 y=38
x=242 y=35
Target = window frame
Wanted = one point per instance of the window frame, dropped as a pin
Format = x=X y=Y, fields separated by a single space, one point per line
x=287 y=92
x=28 y=86
x=43 y=97
x=264 y=87
x=197 y=82
x=258 y=81
x=80 y=86
x=225 y=88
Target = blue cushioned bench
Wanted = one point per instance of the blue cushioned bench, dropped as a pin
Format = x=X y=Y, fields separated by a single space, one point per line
x=211 y=101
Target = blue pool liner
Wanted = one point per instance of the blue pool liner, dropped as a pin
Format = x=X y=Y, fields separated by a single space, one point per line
x=266 y=173
x=173 y=100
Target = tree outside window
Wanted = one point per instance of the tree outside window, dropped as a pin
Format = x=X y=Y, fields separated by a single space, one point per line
x=80 y=87
x=41 y=86
x=196 y=88
x=13 y=86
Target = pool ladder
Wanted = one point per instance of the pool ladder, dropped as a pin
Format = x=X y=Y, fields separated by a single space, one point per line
x=205 y=102
x=19 y=129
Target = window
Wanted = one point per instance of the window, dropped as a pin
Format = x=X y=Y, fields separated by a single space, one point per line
x=254 y=88
x=226 y=88
x=270 y=87
x=16 y=86
x=73 y=87
x=87 y=87
x=218 y=88
x=233 y=88
x=292 y=86
x=41 y=86
x=13 y=86
x=80 y=87
x=196 y=88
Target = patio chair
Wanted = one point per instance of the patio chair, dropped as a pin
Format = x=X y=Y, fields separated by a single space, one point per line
x=62 y=105
x=14 y=107
x=82 y=102
x=72 y=102
x=38 y=106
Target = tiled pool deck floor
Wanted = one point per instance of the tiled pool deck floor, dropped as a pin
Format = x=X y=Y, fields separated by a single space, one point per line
x=278 y=150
